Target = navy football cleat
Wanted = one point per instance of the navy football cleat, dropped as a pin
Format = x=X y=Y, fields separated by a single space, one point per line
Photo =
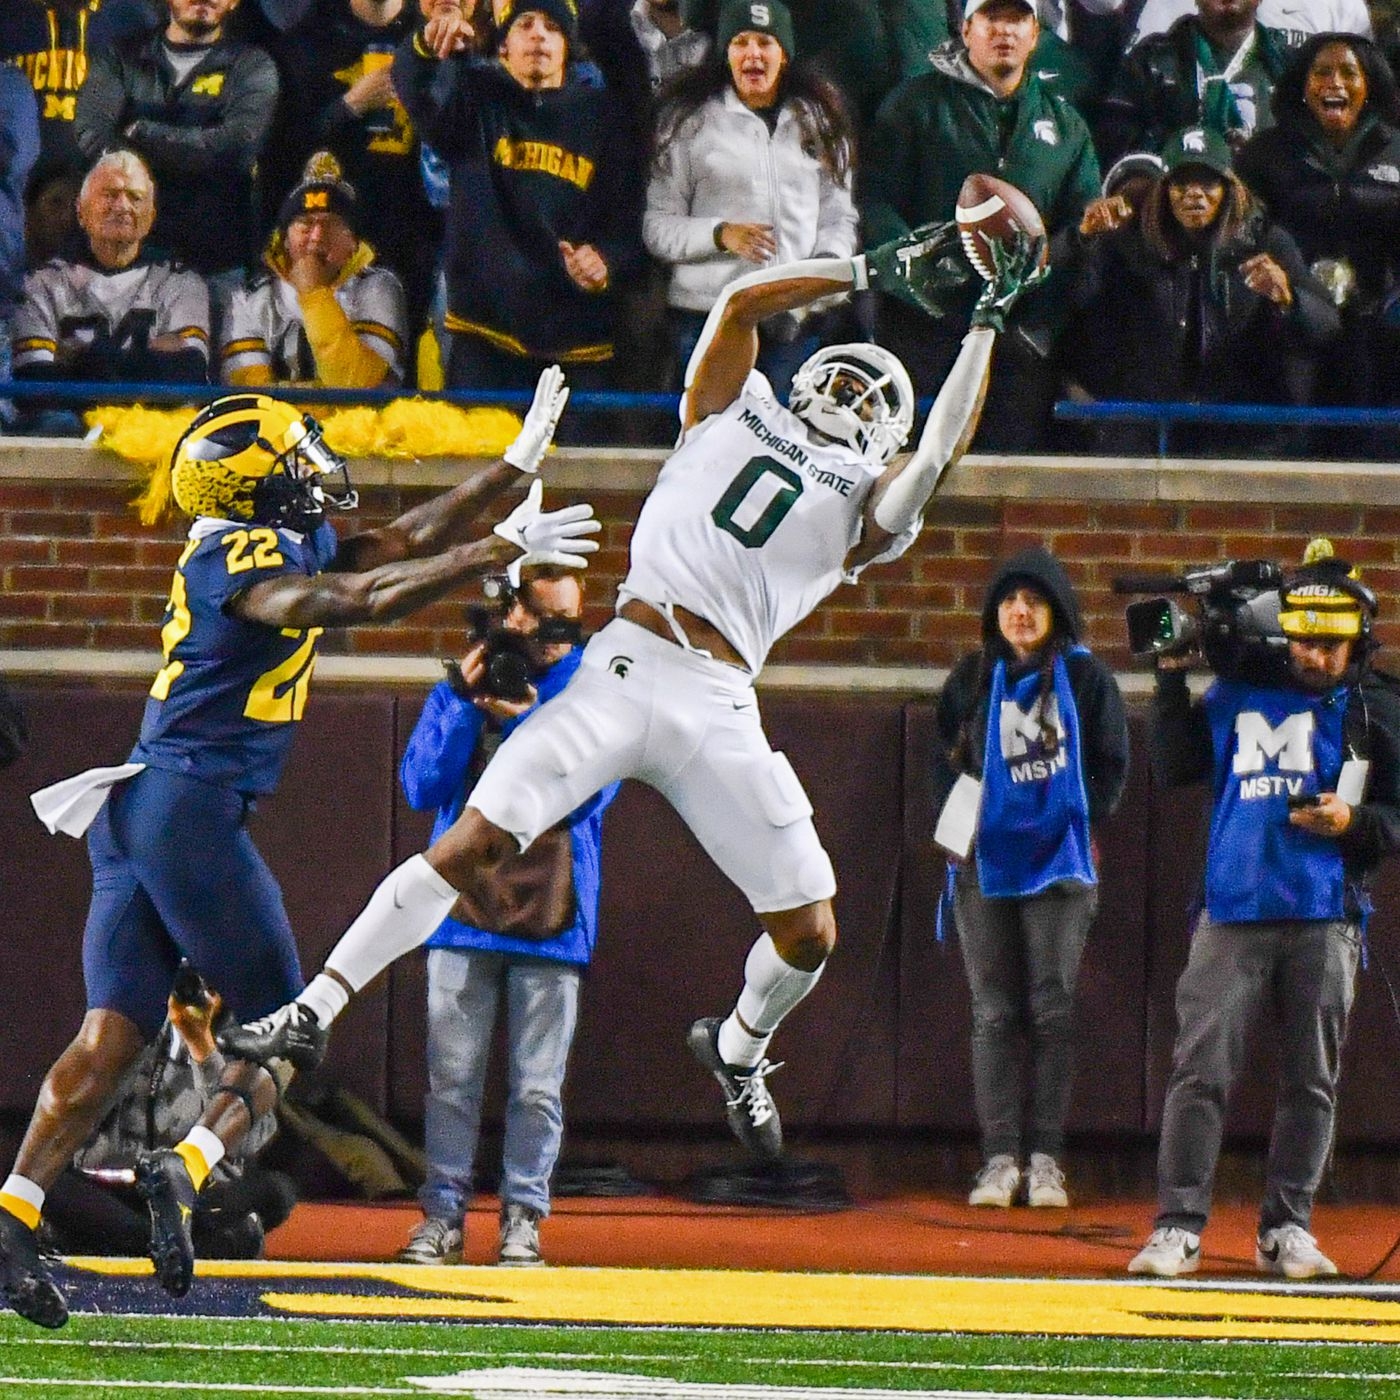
x=164 y=1183
x=290 y=1033
x=748 y=1106
x=24 y=1279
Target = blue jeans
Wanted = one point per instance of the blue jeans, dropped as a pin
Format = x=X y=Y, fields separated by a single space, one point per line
x=465 y=987
x=778 y=361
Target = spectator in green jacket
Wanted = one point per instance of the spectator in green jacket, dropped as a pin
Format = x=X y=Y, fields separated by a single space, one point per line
x=981 y=109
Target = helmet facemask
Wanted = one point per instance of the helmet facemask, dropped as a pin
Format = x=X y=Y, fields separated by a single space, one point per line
x=856 y=394
x=305 y=481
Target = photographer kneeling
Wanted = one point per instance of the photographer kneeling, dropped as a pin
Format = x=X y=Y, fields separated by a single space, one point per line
x=1305 y=775
x=525 y=935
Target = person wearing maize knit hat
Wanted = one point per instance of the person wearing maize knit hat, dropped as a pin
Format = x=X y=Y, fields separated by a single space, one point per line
x=323 y=311
x=1305 y=774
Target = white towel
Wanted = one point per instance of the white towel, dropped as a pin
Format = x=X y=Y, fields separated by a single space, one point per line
x=70 y=805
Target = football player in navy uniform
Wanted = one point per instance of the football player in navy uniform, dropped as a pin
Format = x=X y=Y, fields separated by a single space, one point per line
x=261 y=575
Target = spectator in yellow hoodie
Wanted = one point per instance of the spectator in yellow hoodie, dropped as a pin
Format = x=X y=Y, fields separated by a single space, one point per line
x=323 y=312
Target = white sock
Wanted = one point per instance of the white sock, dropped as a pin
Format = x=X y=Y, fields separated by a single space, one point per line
x=404 y=910
x=24 y=1199
x=325 y=996
x=772 y=987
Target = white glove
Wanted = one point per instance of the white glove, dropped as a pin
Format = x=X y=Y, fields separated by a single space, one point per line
x=548 y=537
x=537 y=431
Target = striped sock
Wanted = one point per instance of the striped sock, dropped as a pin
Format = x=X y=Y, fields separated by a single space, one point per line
x=201 y=1152
x=24 y=1199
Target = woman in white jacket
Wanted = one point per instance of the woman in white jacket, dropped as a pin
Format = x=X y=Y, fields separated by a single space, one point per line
x=753 y=165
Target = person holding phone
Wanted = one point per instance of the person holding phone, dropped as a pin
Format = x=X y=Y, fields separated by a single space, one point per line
x=1305 y=778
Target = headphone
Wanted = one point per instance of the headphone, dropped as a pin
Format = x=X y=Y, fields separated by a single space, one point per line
x=1336 y=575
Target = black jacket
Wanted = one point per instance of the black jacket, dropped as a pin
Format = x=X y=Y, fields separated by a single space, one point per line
x=1102 y=723
x=1181 y=753
x=1155 y=92
x=1335 y=204
x=1189 y=328
x=201 y=138
x=527 y=170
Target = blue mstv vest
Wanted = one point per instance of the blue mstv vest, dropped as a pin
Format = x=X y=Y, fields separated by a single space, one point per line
x=1033 y=830
x=1270 y=745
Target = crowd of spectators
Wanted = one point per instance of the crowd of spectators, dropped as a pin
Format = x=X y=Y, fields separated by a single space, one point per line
x=516 y=182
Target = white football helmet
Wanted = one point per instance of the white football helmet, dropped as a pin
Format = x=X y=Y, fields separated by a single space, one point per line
x=858 y=394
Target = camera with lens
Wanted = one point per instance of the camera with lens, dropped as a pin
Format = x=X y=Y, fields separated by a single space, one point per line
x=510 y=658
x=1233 y=619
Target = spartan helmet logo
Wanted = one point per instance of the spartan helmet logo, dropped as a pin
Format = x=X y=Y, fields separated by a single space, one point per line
x=620 y=665
x=1194 y=141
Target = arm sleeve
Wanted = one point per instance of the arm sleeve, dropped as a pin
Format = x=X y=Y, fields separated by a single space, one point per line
x=671 y=232
x=1104 y=724
x=955 y=702
x=1313 y=315
x=1375 y=824
x=433 y=93
x=837 y=220
x=440 y=750
x=250 y=92
x=889 y=176
x=101 y=103
x=343 y=359
x=34 y=331
x=1178 y=733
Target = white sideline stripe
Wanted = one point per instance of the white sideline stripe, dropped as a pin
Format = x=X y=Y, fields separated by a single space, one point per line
x=833 y=1363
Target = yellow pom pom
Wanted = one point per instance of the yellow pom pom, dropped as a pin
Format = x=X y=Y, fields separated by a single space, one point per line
x=1320 y=548
x=353 y=432
x=420 y=428
x=148 y=437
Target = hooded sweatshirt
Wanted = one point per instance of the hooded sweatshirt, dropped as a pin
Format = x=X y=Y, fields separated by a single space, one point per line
x=1098 y=704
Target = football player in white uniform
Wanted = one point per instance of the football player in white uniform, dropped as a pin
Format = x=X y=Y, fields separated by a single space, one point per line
x=758 y=515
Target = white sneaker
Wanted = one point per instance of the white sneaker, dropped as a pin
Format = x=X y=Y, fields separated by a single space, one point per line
x=1289 y=1250
x=1045 y=1182
x=996 y=1183
x=433 y=1241
x=520 y=1236
x=1168 y=1252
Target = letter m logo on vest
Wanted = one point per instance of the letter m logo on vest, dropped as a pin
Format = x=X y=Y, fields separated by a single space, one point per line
x=1020 y=731
x=210 y=85
x=1256 y=740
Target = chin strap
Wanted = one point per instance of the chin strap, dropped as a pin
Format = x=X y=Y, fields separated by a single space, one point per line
x=951 y=422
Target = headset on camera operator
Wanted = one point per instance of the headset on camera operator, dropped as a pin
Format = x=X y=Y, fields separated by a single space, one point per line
x=522 y=935
x=1305 y=778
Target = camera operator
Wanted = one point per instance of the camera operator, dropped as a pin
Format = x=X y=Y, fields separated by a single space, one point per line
x=525 y=934
x=1305 y=776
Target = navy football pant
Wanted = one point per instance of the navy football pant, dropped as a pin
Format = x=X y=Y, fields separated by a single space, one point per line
x=175 y=874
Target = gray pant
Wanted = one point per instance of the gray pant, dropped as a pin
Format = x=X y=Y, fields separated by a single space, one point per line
x=465 y=987
x=1306 y=972
x=1022 y=961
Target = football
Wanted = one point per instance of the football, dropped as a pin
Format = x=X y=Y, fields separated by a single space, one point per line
x=990 y=210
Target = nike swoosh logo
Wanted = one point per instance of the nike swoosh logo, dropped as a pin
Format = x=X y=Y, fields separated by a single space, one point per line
x=738 y=706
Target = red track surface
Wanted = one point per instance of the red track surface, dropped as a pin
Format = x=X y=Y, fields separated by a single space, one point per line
x=898 y=1234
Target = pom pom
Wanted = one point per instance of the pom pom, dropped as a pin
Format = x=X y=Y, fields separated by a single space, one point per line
x=148 y=437
x=1320 y=548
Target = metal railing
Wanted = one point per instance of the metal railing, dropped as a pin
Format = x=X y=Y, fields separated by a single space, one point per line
x=1166 y=415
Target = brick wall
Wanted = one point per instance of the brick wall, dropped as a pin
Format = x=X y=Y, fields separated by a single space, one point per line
x=78 y=570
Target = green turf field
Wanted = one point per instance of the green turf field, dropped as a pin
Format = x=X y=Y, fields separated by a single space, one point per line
x=314 y=1330
x=137 y=1356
